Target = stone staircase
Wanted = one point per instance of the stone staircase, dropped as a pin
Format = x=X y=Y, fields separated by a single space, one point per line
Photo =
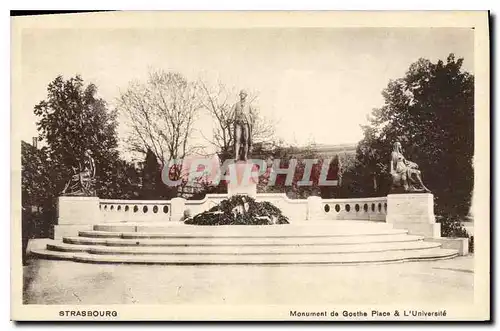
x=308 y=242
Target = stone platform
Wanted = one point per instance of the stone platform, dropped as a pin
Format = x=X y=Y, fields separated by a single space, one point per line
x=315 y=242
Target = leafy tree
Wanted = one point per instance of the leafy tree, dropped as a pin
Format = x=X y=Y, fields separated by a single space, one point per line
x=123 y=181
x=71 y=120
x=431 y=112
x=153 y=187
x=346 y=162
x=36 y=182
x=150 y=176
x=37 y=194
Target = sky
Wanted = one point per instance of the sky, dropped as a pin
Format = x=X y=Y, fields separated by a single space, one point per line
x=317 y=84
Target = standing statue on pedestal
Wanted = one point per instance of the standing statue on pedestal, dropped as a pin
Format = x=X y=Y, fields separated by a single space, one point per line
x=405 y=173
x=82 y=182
x=243 y=123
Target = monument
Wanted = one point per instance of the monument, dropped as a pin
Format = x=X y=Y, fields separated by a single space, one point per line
x=405 y=173
x=410 y=205
x=243 y=124
x=78 y=204
x=245 y=179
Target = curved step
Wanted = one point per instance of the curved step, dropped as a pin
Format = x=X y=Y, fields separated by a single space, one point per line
x=257 y=241
x=348 y=258
x=244 y=250
x=307 y=227
x=237 y=234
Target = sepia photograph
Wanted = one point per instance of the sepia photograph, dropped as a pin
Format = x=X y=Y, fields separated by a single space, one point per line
x=251 y=166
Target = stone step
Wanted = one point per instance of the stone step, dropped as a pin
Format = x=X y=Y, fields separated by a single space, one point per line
x=305 y=228
x=240 y=234
x=255 y=241
x=347 y=258
x=243 y=250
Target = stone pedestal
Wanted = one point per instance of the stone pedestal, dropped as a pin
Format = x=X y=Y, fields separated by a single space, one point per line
x=413 y=212
x=243 y=179
x=76 y=214
x=314 y=208
x=78 y=210
x=177 y=208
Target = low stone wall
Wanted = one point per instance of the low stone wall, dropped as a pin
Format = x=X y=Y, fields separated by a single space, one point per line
x=297 y=210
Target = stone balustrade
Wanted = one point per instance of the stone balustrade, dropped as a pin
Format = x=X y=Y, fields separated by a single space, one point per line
x=113 y=210
x=372 y=209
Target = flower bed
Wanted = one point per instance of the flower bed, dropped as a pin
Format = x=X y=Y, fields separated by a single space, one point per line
x=240 y=210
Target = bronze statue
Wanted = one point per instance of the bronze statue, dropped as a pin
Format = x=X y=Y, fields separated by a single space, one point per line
x=83 y=179
x=243 y=122
x=405 y=173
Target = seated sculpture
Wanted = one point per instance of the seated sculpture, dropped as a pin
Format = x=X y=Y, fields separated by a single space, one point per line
x=405 y=173
x=82 y=181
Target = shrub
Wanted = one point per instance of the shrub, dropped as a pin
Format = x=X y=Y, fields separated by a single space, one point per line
x=240 y=210
x=36 y=224
x=451 y=226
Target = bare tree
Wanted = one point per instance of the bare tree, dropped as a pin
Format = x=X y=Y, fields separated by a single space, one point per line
x=160 y=115
x=218 y=101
